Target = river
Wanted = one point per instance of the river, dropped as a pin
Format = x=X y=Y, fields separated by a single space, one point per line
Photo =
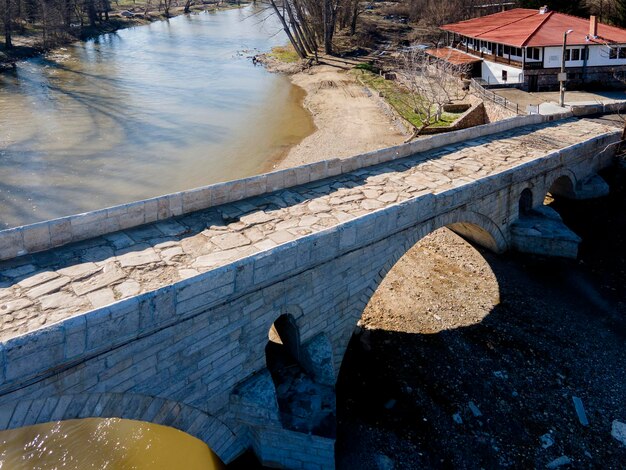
x=103 y=444
x=142 y=112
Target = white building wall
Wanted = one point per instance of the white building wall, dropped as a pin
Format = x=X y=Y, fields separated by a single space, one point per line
x=598 y=57
x=491 y=72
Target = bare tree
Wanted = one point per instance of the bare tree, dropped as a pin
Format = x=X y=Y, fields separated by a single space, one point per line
x=309 y=23
x=8 y=20
x=432 y=81
x=167 y=5
x=353 y=9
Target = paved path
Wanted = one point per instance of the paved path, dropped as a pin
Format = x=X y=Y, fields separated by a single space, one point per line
x=44 y=288
x=548 y=100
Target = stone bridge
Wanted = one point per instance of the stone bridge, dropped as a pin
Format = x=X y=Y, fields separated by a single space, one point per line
x=163 y=310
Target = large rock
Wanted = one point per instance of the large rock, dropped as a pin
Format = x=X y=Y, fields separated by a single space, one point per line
x=618 y=431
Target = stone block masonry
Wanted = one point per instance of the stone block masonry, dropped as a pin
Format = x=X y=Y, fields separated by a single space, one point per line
x=187 y=302
x=49 y=234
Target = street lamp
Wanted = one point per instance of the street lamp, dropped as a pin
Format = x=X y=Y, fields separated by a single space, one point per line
x=563 y=76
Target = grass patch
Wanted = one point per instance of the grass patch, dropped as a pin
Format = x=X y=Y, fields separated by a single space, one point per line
x=285 y=54
x=400 y=99
x=367 y=67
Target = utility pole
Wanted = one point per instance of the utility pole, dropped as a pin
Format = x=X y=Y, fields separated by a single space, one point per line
x=563 y=76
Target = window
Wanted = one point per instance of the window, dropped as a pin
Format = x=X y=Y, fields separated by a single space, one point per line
x=500 y=50
x=533 y=53
x=507 y=50
x=613 y=53
x=504 y=75
x=622 y=53
x=577 y=53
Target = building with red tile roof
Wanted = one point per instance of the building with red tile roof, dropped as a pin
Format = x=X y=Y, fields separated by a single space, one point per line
x=525 y=47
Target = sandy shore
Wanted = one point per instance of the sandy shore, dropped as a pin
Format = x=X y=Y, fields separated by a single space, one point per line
x=349 y=120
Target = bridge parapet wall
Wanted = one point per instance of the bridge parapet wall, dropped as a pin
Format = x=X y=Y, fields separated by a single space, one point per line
x=42 y=236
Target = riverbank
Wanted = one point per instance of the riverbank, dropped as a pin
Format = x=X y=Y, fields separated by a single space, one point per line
x=29 y=43
x=349 y=120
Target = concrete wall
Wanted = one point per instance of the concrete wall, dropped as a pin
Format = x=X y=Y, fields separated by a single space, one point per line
x=45 y=235
x=196 y=348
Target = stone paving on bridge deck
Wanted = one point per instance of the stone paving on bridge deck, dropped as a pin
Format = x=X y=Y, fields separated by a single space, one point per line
x=44 y=288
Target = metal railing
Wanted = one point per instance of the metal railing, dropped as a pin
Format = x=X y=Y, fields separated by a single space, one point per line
x=481 y=91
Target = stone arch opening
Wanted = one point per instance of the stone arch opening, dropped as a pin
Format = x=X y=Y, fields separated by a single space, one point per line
x=525 y=205
x=474 y=227
x=460 y=235
x=469 y=225
x=476 y=234
x=284 y=339
x=563 y=186
x=305 y=402
x=404 y=304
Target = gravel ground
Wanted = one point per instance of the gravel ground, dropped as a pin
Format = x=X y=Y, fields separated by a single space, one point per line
x=470 y=360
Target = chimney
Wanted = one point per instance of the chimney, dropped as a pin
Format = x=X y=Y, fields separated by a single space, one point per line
x=543 y=10
x=593 y=26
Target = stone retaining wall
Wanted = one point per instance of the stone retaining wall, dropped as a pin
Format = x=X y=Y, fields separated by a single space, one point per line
x=42 y=236
x=600 y=108
x=474 y=116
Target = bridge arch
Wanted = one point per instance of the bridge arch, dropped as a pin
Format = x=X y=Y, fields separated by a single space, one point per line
x=220 y=438
x=526 y=202
x=285 y=331
x=471 y=225
x=561 y=184
x=474 y=226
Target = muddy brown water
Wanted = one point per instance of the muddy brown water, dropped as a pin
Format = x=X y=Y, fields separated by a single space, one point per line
x=145 y=111
x=96 y=443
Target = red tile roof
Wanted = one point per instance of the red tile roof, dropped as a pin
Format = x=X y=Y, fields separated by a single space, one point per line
x=453 y=56
x=523 y=27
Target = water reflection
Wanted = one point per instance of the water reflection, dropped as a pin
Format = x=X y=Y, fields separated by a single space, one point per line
x=111 y=444
x=146 y=111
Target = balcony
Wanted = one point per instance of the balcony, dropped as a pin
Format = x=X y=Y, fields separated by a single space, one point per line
x=498 y=59
x=502 y=60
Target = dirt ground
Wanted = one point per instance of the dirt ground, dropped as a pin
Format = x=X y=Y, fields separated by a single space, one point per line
x=349 y=120
x=471 y=360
